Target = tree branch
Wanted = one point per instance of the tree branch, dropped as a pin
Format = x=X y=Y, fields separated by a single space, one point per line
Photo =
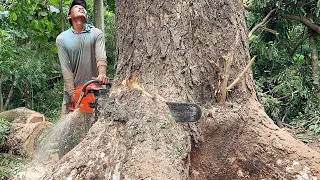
x=241 y=74
x=248 y=8
x=269 y=30
x=283 y=97
x=262 y=23
x=303 y=20
x=226 y=72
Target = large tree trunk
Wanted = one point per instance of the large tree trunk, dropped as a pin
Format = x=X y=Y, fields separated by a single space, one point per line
x=181 y=50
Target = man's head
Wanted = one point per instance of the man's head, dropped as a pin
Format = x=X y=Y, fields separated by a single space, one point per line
x=77 y=10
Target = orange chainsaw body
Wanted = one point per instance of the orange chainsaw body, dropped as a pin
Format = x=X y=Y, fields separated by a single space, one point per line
x=87 y=103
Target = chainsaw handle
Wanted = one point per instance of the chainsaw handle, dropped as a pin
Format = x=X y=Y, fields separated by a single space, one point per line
x=87 y=84
x=90 y=82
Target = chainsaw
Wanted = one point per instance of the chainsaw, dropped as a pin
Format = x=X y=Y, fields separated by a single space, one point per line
x=85 y=99
x=85 y=96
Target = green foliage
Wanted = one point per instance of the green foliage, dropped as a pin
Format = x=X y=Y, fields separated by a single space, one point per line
x=29 y=55
x=4 y=130
x=271 y=104
x=9 y=165
x=310 y=116
x=32 y=71
x=111 y=5
x=54 y=2
x=283 y=74
x=41 y=26
x=284 y=6
x=110 y=31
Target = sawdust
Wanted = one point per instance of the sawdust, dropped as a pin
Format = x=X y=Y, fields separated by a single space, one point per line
x=53 y=144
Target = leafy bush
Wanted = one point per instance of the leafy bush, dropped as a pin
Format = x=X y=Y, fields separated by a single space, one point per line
x=310 y=116
x=283 y=71
x=110 y=31
x=9 y=165
x=4 y=130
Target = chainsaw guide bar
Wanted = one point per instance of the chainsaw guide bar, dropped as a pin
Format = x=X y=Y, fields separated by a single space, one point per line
x=185 y=112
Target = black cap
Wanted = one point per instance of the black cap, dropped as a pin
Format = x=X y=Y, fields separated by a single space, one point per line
x=78 y=2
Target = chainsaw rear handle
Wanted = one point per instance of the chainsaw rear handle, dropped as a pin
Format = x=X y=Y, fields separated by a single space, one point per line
x=87 y=84
x=92 y=81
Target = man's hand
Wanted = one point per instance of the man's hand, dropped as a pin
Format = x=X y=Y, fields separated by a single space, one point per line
x=102 y=78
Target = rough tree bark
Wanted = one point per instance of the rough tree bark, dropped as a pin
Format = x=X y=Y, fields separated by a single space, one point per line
x=98 y=14
x=180 y=50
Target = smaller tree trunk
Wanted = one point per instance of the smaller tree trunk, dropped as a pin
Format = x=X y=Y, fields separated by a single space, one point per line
x=1 y=98
x=98 y=14
x=61 y=15
x=314 y=57
x=10 y=95
x=26 y=94
x=306 y=56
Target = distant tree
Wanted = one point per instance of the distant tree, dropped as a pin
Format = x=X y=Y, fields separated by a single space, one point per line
x=98 y=13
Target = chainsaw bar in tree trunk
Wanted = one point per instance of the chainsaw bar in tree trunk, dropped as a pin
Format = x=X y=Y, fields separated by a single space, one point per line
x=185 y=112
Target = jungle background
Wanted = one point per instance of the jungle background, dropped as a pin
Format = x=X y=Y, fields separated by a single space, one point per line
x=280 y=34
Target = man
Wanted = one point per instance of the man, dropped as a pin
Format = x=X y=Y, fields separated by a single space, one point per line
x=81 y=51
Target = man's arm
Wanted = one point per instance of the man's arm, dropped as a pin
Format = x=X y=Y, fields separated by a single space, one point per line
x=102 y=76
x=66 y=71
x=101 y=59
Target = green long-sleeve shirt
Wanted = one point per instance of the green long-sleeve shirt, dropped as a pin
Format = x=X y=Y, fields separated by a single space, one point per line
x=80 y=54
